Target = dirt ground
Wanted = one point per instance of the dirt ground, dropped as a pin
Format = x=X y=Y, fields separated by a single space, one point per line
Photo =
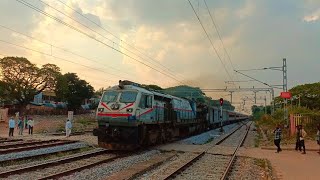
x=54 y=124
x=289 y=164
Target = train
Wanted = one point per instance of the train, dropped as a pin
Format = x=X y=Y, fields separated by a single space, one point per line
x=130 y=116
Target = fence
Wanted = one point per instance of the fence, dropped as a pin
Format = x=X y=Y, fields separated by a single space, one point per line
x=302 y=119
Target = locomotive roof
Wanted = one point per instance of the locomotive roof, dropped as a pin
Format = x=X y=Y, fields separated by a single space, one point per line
x=146 y=91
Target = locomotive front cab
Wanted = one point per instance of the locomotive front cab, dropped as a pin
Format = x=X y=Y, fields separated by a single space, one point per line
x=120 y=111
x=117 y=106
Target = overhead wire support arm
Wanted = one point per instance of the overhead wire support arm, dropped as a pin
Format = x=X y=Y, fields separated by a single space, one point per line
x=252 y=78
x=261 y=69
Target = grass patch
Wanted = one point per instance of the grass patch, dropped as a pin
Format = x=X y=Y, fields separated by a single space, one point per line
x=260 y=162
x=85 y=121
x=257 y=139
x=266 y=166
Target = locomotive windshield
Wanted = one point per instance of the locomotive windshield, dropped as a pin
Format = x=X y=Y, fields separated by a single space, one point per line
x=110 y=96
x=128 y=96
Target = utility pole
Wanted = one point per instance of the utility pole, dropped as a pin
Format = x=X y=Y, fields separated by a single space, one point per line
x=221 y=114
x=285 y=89
x=255 y=97
x=265 y=105
x=273 y=103
x=231 y=96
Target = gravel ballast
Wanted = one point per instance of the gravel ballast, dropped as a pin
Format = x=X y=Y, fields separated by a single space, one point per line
x=105 y=170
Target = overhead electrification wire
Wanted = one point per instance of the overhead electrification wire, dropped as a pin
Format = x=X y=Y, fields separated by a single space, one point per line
x=215 y=50
x=63 y=49
x=128 y=44
x=66 y=50
x=63 y=59
x=90 y=36
x=215 y=26
x=87 y=27
x=217 y=30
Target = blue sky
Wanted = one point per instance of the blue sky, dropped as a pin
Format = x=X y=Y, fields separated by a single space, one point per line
x=167 y=36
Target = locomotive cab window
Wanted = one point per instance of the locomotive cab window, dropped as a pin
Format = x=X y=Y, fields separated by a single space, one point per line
x=145 y=101
x=128 y=97
x=110 y=96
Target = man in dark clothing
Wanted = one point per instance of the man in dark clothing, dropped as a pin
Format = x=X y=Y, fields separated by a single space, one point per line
x=277 y=138
x=298 y=133
x=303 y=134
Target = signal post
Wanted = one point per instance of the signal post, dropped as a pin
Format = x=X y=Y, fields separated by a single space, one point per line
x=221 y=114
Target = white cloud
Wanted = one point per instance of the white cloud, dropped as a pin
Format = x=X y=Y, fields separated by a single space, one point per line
x=313 y=16
x=246 y=11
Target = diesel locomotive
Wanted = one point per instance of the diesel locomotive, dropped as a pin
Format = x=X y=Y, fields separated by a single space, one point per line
x=130 y=116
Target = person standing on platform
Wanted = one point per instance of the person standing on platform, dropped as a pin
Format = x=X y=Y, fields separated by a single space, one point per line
x=26 y=122
x=298 y=139
x=318 y=136
x=68 y=128
x=12 y=125
x=30 y=125
x=302 y=137
x=277 y=138
x=20 y=125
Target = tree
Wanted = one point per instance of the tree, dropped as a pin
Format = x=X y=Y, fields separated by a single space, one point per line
x=21 y=80
x=62 y=89
x=74 y=90
x=308 y=94
x=152 y=87
x=99 y=92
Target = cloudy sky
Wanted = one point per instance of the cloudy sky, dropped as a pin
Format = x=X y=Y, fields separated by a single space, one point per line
x=162 y=42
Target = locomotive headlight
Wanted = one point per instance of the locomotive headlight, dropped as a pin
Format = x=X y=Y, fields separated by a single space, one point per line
x=129 y=110
x=100 y=109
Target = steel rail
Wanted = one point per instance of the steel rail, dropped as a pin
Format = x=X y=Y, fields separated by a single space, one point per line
x=25 y=143
x=10 y=140
x=226 y=172
x=173 y=174
x=38 y=156
x=32 y=147
x=70 y=171
x=224 y=138
x=50 y=164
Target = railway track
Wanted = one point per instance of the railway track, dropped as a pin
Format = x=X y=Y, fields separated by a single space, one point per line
x=57 y=168
x=23 y=143
x=201 y=165
x=17 y=160
x=233 y=158
x=5 y=140
x=5 y=149
x=61 y=167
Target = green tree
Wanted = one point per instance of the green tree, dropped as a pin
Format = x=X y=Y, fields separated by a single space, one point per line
x=74 y=90
x=21 y=80
x=152 y=87
x=309 y=95
x=99 y=92
x=62 y=89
